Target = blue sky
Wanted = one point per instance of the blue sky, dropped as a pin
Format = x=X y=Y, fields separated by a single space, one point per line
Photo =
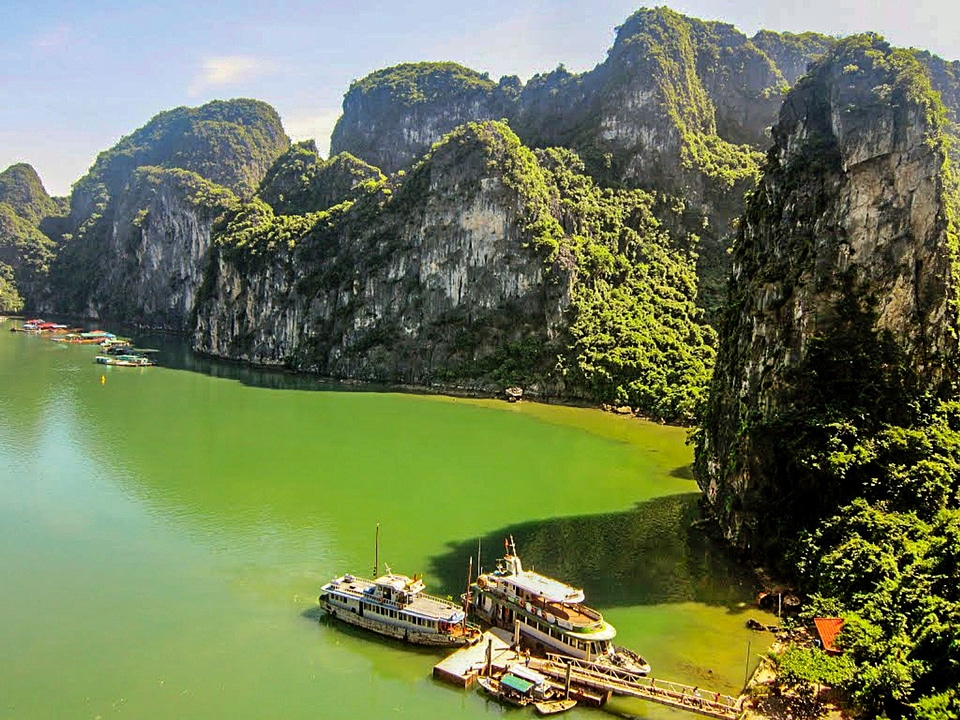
x=77 y=75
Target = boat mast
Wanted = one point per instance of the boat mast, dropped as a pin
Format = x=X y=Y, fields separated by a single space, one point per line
x=376 y=554
x=466 y=595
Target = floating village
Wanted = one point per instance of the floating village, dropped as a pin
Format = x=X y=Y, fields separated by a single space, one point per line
x=532 y=639
x=113 y=350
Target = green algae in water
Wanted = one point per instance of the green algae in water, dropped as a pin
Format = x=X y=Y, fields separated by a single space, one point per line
x=166 y=532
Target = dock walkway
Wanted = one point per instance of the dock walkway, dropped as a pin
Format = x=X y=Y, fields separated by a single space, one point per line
x=466 y=664
x=606 y=679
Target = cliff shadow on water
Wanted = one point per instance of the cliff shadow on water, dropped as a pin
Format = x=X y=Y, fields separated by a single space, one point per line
x=175 y=353
x=651 y=554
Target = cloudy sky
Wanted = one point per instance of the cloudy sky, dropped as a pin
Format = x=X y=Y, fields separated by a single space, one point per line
x=76 y=75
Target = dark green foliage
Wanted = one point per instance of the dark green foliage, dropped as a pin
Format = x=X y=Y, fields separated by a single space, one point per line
x=21 y=189
x=851 y=457
x=254 y=230
x=300 y=182
x=229 y=142
x=423 y=82
x=798 y=665
x=10 y=300
x=25 y=250
x=636 y=335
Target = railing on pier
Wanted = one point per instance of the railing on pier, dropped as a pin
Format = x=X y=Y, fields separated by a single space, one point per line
x=623 y=682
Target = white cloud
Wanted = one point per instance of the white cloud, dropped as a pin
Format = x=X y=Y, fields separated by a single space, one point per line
x=229 y=70
x=312 y=124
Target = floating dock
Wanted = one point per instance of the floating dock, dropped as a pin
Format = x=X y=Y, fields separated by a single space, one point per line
x=466 y=664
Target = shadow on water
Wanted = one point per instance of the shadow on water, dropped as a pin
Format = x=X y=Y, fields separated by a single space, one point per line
x=173 y=352
x=648 y=555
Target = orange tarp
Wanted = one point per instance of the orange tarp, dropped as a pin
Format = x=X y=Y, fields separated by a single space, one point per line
x=828 y=629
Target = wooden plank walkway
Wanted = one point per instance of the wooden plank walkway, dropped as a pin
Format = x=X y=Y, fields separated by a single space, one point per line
x=464 y=665
x=606 y=679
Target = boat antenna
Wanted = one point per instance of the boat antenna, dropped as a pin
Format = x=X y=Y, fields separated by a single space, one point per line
x=376 y=554
x=513 y=546
x=479 y=566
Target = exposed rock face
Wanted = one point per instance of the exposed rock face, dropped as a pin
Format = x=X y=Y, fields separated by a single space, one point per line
x=852 y=211
x=792 y=53
x=124 y=213
x=434 y=278
x=161 y=236
x=680 y=106
x=392 y=117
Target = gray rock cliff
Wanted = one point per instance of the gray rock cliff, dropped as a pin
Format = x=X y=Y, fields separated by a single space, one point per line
x=852 y=220
x=398 y=287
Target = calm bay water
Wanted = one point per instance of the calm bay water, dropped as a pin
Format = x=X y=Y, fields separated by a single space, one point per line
x=164 y=532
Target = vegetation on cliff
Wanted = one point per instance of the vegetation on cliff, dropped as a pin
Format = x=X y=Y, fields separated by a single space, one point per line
x=301 y=182
x=25 y=250
x=21 y=189
x=210 y=154
x=631 y=332
x=636 y=336
x=412 y=105
x=422 y=82
x=229 y=142
x=842 y=467
x=10 y=300
x=668 y=46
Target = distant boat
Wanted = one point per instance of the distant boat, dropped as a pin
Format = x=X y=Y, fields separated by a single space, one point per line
x=124 y=360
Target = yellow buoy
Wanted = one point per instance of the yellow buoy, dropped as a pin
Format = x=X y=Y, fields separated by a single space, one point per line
x=103 y=379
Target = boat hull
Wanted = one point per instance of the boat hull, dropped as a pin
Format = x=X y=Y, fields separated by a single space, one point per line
x=398 y=632
x=552 y=707
x=491 y=686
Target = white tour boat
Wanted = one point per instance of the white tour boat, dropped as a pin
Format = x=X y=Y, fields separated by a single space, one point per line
x=550 y=615
x=397 y=606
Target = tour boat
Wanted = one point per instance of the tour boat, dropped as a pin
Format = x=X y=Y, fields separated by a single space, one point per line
x=549 y=615
x=397 y=606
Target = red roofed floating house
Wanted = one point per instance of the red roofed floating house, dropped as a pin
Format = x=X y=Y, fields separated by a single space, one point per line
x=828 y=629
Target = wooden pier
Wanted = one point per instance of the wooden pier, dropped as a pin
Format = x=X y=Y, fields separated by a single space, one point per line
x=605 y=679
x=589 y=683
x=464 y=665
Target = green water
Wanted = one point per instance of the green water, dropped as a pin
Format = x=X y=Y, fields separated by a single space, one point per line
x=164 y=532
